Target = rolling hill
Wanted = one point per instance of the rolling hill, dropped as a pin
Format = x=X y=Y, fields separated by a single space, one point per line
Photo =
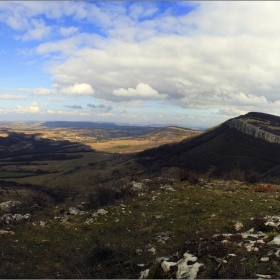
x=249 y=142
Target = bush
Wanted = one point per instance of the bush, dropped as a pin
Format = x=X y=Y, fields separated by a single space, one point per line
x=267 y=188
x=189 y=175
x=235 y=174
x=253 y=177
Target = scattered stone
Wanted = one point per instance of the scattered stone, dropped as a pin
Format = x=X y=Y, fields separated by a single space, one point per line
x=6 y=205
x=238 y=226
x=232 y=255
x=152 y=250
x=277 y=253
x=74 y=211
x=166 y=188
x=275 y=241
x=138 y=252
x=6 y=232
x=9 y=218
x=89 y=221
x=166 y=265
x=137 y=187
x=144 y=274
x=186 y=271
x=262 y=276
x=99 y=212
x=158 y=216
x=42 y=223
x=264 y=259
x=163 y=237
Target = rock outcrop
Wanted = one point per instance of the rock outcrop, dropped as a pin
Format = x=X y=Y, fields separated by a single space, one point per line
x=249 y=129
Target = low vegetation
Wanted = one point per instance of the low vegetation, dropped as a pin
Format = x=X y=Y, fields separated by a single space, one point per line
x=114 y=245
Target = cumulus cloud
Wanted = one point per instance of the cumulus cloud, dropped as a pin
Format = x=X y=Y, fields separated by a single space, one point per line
x=77 y=90
x=210 y=58
x=91 y=106
x=74 y=106
x=142 y=91
x=123 y=111
x=33 y=108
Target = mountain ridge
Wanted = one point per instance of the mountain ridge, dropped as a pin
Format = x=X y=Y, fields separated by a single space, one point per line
x=248 y=142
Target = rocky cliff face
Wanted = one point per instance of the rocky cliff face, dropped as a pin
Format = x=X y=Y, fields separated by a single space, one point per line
x=249 y=129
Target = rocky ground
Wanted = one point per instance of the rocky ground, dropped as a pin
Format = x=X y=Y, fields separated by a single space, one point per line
x=162 y=228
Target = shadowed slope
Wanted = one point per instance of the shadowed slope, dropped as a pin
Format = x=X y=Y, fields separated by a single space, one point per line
x=224 y=147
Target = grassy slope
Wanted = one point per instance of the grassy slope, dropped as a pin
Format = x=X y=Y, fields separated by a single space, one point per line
x=70 y=250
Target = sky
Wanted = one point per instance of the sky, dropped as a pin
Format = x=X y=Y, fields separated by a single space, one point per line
x=191 y=64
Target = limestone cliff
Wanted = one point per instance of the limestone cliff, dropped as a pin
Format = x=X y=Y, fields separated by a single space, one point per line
x=249 y=129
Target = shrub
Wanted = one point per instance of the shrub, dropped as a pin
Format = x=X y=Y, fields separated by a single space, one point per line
x=253 y=177
x=189 y=175
x=267 y=188
x=235 y=174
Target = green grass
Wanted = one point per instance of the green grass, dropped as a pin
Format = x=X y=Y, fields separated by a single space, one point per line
x=122 y=146
x=186 y=213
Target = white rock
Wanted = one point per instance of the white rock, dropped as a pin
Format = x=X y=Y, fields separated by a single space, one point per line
x=74 y=211
x=152 y=250
x=8 y=204
x=6 y=232
x=144 y=274
x=232 y=255
x=167 y=188
x=138 y=251
x=187 y=271
x=238 y=226
x=262 y=276
x=99 y=212
x=275 y=241
x=277 y=253
x=42 y=223
x=137 y=187
x=89 y=221
x=166 y=265
x=264 y=259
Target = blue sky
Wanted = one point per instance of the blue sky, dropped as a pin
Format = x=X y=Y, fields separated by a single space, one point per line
x=189 y=63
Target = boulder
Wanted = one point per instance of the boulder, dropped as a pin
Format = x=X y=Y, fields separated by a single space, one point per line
x=99 y=212
x=6 y=205
x=138 y=187
x=167 y=188
x=74 y=211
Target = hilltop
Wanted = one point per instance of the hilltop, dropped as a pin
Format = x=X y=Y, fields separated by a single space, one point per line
x=248 y=143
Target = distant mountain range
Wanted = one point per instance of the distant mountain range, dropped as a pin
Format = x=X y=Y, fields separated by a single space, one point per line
x=248 y=142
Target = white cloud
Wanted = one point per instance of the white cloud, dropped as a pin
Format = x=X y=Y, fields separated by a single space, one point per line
x=77 y=90
x=66 y=113
x=36 y=91
x=74 y=90
x=57 y=99
x=142 y=91
x=33 y=108
x=38 y=31
x=67 y=31
x=229 y=111
x=9 y=96
x=106 y=115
